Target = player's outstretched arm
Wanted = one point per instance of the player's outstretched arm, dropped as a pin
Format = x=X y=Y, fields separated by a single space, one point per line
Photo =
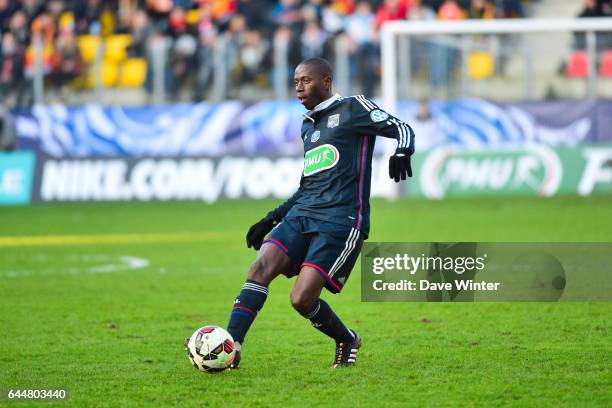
x=371 y=120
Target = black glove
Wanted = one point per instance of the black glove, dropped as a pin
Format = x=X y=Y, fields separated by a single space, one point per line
x=399 y=165
x=257 y=233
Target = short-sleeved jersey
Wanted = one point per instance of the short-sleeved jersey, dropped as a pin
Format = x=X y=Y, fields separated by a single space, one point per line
x=339 y=136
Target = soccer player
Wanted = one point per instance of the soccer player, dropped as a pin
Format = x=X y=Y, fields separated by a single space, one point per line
x=317 y=233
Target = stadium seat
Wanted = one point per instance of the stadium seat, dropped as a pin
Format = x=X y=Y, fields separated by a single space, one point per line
x=88 y=45
x=193 y=16
x=110 y=75
x=480 y=65
x=578 y=65
x=133 y=73
x=115 y=47
x=605 y=67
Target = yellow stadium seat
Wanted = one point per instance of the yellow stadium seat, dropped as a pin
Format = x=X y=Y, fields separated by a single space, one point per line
x=193 y=16
x=133 y=73
x=480 y=65
x=110 y=75
x=115 y=47
x=88 y=45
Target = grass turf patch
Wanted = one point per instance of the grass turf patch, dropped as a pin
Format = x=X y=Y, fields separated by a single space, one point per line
x=113 y=337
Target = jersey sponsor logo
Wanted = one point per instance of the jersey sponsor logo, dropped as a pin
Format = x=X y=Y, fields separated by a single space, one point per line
x=333 y=121
x=378 y=116
x=315 y=136
x=320 y=158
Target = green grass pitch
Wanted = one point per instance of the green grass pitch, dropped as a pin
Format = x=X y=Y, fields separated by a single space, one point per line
x=112 y=337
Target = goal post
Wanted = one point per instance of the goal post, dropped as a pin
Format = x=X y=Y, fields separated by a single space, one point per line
x=392 y=30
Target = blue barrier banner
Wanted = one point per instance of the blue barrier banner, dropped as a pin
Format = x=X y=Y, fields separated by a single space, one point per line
x=16 y=176
x=273 y=127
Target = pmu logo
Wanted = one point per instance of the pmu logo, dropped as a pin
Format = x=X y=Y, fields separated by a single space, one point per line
x=536 y=169
x=320 y=158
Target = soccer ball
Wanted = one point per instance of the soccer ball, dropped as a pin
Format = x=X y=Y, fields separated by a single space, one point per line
x=211 y=349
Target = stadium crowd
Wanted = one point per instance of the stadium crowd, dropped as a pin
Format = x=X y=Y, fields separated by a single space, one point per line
x=186 y=31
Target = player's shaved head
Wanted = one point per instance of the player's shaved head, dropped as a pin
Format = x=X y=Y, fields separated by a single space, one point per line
x=313 y=80
x=320 y=66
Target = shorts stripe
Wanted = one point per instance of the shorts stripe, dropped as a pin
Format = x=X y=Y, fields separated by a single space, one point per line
x=278 y=244
x=348 y=247
x=324 y=274
x=350 y=250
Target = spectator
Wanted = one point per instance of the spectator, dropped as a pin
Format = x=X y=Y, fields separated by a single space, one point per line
x=419 y=11
x=288 y=13
x=68 y=63
x=419 y=45
x=360 y=28
x=313 y=41
x=444 y=56
x=32 y=9
x=431 y=135
x=603 y=40
x=391 y=10
x=510 y=9
x=157 y=51
x=605 y=7
x=331 y=20
x=207 y=40
x=450 y=10
x=233 y=39
x=482 y=10
x=140 y=29
x=257 y=14
x=18 y=26
x=254 y=58
x=590 y=9
x=11 y=68
x=7 y=9
x=87 y=15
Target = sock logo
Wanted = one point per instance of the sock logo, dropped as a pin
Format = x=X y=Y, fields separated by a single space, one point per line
x=317 y=324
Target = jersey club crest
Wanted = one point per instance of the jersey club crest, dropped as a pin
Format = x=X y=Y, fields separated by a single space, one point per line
x=333 y=121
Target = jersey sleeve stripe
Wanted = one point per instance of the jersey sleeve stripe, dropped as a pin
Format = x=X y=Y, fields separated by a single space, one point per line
x=367 y=102
x=401 y=141
x=362 y=103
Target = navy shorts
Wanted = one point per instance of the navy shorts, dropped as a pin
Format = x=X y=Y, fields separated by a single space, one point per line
x=331 y=249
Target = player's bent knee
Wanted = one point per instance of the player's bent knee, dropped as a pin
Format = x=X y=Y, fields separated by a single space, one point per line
x=301 y=301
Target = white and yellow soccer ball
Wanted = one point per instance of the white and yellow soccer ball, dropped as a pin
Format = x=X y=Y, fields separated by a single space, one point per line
x=211 y=349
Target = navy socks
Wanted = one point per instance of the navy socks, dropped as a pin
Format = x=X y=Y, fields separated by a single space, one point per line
x=246 y=306
x=325 y=320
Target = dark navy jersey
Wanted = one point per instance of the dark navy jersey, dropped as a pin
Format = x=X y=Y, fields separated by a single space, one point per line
x=339 y=136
